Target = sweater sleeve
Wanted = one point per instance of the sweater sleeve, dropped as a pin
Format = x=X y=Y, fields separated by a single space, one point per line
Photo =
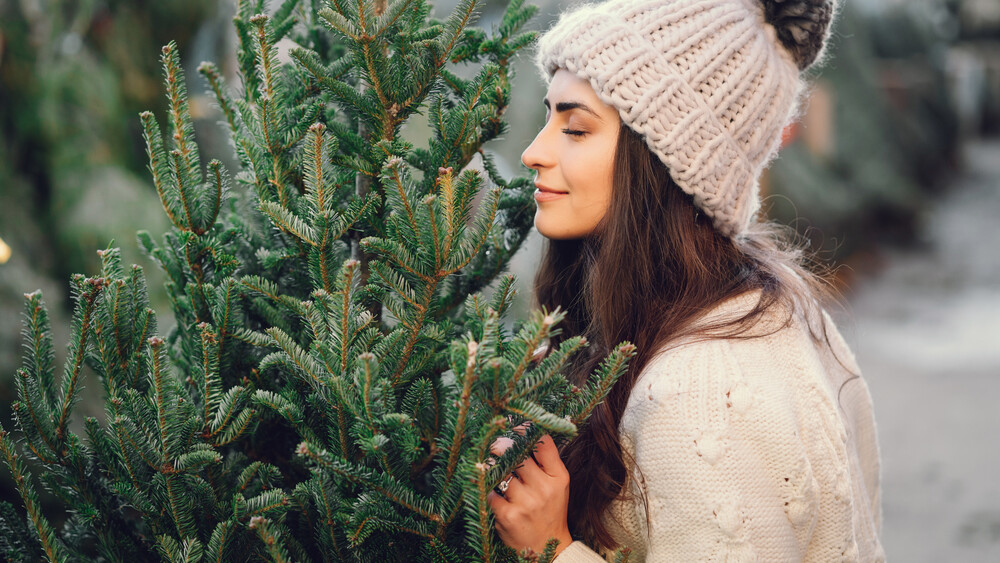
x=578 y=552
x=732 y=465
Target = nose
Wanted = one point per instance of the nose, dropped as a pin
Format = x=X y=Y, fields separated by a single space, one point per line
x=535 y=155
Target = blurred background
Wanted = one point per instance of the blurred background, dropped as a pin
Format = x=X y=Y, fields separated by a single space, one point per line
x=893 y=173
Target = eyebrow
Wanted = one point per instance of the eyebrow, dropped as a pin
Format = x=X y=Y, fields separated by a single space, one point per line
x=567 y=106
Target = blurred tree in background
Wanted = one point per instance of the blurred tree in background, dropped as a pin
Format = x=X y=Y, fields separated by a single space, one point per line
x=905 y=85
x=74 y=74
x=860 y=164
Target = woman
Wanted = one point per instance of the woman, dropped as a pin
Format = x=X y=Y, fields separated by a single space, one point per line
x=742 y=429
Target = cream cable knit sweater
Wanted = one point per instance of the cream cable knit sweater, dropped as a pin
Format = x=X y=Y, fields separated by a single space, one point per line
x=760 y=449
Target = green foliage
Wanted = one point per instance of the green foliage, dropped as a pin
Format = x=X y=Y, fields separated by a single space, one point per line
x=334 y=379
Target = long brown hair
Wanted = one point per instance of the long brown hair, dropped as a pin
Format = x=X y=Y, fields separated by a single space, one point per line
x=651 y=267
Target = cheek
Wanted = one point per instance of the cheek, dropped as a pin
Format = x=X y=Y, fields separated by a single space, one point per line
x=593 y=185
x=597 y=168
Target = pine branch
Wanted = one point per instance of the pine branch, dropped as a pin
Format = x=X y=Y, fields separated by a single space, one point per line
x=546 y=556
x=297 y=357
x=194 y=460
x=315 y=168
x=218 y=544
x=463 y=16
x=267 y=502
x=124 y=453
x=532 y=339
x=346 y=284
x=289 y=223
x=220 y=183
x=548 y=369
x=266 y=58
x=236 y=429
x=449 y=204
x=90 y=288
x=184 y=190
x=271 y=538
x=479 y=515
x=336 y=21
x=391 y=15
x=211 y=385
x=35 y=419
x=474 y=241
x=401 y=198
x=288 y=409
x=468 y=380
x=189 y=551
x=53 y=547
x=246 y=54
x=226 y=314
x=369 y=54
x=549 y=422
x=270 y=103
x=320 y=490
x=39 y=361
x=218 y=86
x=601 y=381
x=383 y=484
x=180 y=510
x=160 y=394
x=397 y=284
x=17 y=542
x=131 y=439
x=177 y=174
x=180 y=115
x=460 y=128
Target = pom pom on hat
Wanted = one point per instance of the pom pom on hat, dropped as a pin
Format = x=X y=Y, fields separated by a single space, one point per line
x=802 y=26
x=708 y=84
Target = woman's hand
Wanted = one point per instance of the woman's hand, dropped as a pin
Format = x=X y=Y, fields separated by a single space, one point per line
x=533 y=509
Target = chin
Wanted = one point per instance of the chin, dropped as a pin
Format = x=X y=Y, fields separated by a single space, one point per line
x=544 y=227
x=556 y=230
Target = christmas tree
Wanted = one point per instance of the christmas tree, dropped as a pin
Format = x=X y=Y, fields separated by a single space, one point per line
x=335 y=377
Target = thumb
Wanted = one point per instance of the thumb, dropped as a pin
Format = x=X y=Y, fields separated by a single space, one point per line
x=547 y=456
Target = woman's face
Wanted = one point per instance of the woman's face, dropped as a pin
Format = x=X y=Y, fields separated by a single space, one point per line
x=573 y=156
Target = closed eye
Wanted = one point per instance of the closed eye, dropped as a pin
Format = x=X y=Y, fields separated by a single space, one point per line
x=573 y=132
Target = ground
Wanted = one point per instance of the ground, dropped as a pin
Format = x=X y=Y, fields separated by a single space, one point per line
x=926 y=331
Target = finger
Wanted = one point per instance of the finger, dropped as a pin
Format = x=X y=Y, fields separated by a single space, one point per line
x=548 y=456
x=529 y=472
x=514 y=488
x=499 y=507
x=500 y=445
x=523 y=427
x=540 y=353
x=496 y=501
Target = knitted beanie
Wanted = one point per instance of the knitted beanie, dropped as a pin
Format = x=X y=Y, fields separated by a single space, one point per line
x=708 y=84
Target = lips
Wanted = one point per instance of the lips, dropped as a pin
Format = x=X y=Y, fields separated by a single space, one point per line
x=543 y=193
x=546 y=189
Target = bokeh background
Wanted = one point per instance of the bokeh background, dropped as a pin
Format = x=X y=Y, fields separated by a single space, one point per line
x=893 y=173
